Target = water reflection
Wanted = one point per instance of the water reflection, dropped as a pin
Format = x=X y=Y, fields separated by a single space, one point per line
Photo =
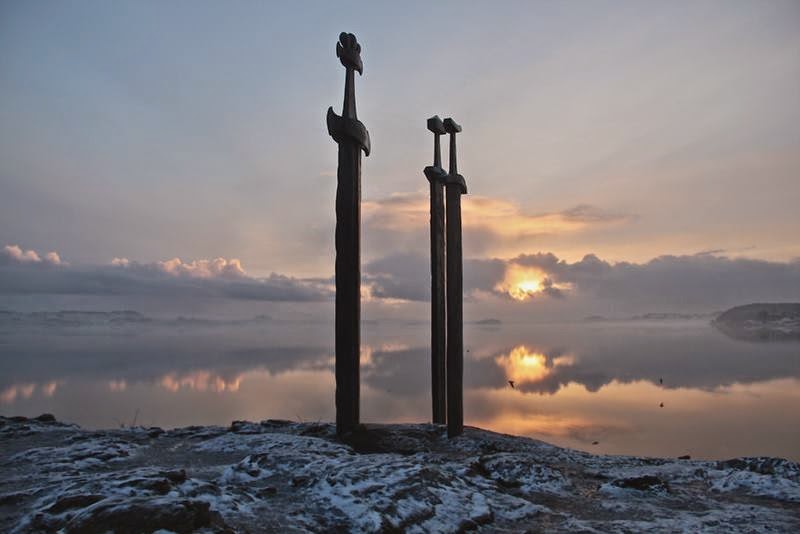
x=575 y=384
x=524 y=367
x=200 y=381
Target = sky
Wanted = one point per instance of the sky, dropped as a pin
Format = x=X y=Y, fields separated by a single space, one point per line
x=620 y=156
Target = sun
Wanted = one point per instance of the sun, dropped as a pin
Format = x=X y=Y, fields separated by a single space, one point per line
x=525 y=288
x=521 y=283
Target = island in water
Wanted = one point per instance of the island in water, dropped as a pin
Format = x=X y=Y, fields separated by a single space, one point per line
x=761 y=322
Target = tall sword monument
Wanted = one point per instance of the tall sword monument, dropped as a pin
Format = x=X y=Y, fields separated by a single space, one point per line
x=436 y=176
x=352 y=137
x=455 y=186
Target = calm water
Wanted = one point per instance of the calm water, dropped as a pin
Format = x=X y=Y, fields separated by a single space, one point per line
x=576 y=384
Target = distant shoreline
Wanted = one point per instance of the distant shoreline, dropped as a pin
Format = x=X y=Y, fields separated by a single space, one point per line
x=761 y=322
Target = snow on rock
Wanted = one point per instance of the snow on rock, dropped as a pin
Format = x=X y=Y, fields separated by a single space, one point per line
x=21 y=426
x=767 y=477
x=282 y=476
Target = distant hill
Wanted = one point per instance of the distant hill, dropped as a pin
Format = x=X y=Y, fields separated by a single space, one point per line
x=761 y=322
x=653 y=316
x=489 y=322
x=120 y=318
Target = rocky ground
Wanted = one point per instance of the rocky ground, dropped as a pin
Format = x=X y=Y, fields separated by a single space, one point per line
x=284 y=476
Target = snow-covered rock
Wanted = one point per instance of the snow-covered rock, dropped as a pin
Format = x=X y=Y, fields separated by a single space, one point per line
x=283 y=476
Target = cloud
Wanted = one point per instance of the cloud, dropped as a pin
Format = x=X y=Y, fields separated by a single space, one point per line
x=503 y=218
x=680 y=281
x=703 y=281
x=542 y=281
x=25 y=272
x=490 y=224
x=13 y=254
x=406 y=276
x=400 y=276
x=588 y=214
x=216 y=268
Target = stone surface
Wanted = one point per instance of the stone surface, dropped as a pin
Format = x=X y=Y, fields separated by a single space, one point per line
x=279 y=476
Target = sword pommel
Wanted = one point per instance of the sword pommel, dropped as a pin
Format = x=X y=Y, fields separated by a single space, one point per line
x=349 y=52
x=436 y=125
x=450 y=126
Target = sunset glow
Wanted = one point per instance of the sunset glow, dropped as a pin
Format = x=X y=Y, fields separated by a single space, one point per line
x=505 y=267
x=525 y=289
x=525 y=366
x=522 y=283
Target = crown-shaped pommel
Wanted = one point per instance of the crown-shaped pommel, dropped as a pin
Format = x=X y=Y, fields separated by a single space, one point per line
x=349 y=52
x=436 y=125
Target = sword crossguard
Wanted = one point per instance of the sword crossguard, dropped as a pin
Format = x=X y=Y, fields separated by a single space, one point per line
x=457 y=180
x=349 y=52
x=341 y=128
x=436 y=174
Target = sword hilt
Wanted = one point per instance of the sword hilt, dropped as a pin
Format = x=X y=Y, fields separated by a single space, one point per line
x=436 y=125
x=452 y=128
x=348 y=126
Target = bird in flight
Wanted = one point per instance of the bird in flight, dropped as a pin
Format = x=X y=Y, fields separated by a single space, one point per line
x=661 y=405
x=511 y=382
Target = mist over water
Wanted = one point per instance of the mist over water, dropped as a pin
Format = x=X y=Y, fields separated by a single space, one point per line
x=593 y=386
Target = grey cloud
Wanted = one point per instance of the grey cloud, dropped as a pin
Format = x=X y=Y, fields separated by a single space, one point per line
x=217 y=278
x=483 y=275
x=407 y=276
x=685 y=281
x=400 y=276
x=549 y=289
x=592 y=214
x=702 y=281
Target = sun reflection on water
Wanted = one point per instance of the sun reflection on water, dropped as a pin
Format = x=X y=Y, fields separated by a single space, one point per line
x=524 y=366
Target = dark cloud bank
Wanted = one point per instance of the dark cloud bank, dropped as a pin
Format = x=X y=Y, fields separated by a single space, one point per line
x=220 y=278
x=704 y=281
x=668 y=282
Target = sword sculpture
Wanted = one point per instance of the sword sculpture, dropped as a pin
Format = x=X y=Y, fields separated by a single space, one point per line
x=455 y=186
x=352 y=137
x=436 y=176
